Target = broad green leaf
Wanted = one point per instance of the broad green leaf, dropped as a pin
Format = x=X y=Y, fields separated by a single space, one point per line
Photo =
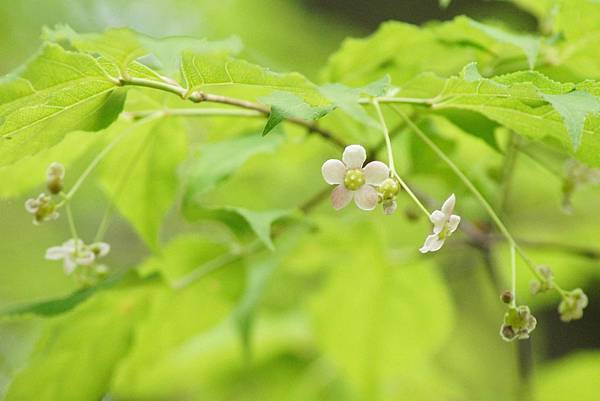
x=470 y=73
x=206 y=72
x=140 y=174
x=18 y=338
x=389 y=315
x=123 y=46
x=570 y=377
x=574 y=108
x=77 y=353
x=287 y=105
x=403 y=51
x=220 y=160
x=57 y=92
x=519 y=101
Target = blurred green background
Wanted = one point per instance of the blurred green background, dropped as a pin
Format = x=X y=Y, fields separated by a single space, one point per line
x=454 y=352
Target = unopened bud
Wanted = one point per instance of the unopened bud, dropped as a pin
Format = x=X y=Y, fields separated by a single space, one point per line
x=507 y=297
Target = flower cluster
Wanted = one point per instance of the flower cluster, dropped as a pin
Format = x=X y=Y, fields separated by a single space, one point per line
x=75 y=253
x=572 y=305
x=43 y=208
x=368 y=185
x=518 y=323
x=444 y=224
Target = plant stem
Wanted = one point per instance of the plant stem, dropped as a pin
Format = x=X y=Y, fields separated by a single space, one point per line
x=490 y=210
x=71 y=222
x=388 y=144
x=199 y=97
x=104 y=152
x=513 y=266
x=198 y=112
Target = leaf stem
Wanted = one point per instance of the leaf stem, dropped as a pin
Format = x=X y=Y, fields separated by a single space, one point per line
x=105 y=152
x=388 y=144
x=490 y=210
x=199 y=97
x=198 y=112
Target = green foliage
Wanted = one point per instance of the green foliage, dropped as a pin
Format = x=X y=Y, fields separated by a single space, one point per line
x=345 y=307
x=57 y=92
x=140 y=173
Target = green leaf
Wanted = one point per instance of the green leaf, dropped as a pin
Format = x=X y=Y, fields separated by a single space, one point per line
x=186 y=254
x=60 y=305
x=287 y=105
x=91 y=338
x=347 y=98
x=569 y=378
x=123 y=46
x=203 y=71
x=57 y=92
x=393 y=314
x=528 y=44
x=140 y=177
x=470 y=73
x=574 y=108
x=218 y=161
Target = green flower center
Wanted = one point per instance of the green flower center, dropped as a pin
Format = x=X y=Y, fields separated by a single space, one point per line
x=354 y=179
x=389 y=188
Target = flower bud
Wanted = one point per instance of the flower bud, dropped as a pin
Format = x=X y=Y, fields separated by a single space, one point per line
x=572 y=306
x=507 y=297
x=55 y=175
x=518 y=323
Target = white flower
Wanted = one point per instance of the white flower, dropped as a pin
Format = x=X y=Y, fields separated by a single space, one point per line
x=444 y=224
x=354 y=181
x=41 y=208
x=75 y=253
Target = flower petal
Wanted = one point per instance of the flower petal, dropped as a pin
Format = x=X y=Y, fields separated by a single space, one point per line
x=453 y=223
x=389 y=207
x=56 y=253
x=85 y=257
x=333 y=171
x=366 y=198
x=448 y=206
x=69 y=265
x=438 y=218
x=354 y=156
x=376 y=172
x=340 y=197
x=32 y=205
x=432 y=244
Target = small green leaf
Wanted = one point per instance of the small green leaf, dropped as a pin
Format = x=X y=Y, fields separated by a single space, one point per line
x=347 y=98
x=574 y=108
x=287 y=105
x=139 y=175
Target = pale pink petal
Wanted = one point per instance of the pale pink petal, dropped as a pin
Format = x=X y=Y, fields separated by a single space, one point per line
x=366 y=198
x=432 y=244
x=453 y=223
x=376 y=172
x=448 y=206
x=340 y=197
x=354 y=156
x=333 y=171
x=56 y=253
